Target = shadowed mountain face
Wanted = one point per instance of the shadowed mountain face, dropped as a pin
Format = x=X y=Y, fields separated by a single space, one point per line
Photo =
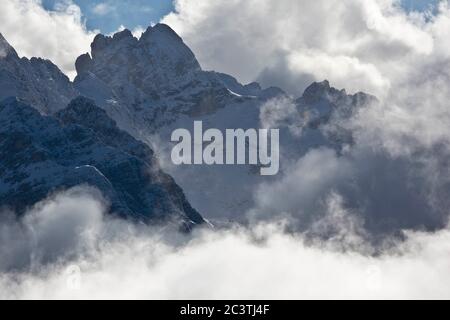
x=81 y=145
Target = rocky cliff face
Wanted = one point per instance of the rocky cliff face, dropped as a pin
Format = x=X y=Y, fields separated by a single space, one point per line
x=36 y=81
x=81 y=145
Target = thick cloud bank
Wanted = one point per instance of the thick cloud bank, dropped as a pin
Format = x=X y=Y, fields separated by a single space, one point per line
x=358 y=45
x=58 y=35
x=395 y=173
x=67 y=248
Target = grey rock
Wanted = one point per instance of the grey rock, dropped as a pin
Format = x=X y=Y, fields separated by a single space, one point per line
x=36 y=81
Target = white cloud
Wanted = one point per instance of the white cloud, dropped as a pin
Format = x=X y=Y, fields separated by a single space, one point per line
x=281 y=112
x=359 y=45
x=102 y=9
x=77 y=253
x=59 y=35
x=303 y=185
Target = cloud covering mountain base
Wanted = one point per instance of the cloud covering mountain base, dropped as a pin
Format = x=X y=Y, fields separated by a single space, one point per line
x=66 y=247
x=393 y=176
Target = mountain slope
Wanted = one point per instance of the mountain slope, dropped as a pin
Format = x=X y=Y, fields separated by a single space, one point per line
x=36 y=81
x=148 y=83
x=82 y=146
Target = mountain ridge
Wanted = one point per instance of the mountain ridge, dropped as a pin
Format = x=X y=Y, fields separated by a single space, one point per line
x=154 y=85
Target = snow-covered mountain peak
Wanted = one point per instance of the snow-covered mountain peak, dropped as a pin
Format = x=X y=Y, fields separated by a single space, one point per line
x=164 y=44
x=157 y=59
x=323 y=91
x=317 y=90
x=158 y=43
x=150 y=82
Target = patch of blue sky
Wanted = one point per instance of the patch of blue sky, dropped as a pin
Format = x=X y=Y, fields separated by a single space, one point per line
x=109 y=15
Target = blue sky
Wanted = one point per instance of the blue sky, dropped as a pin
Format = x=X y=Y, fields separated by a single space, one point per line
x=418 y=4
x=108 y=15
